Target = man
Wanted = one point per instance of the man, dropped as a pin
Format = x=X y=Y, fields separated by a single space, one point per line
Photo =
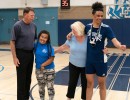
x=22 y=44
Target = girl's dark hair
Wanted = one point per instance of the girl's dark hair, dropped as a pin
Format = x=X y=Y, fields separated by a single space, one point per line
x=97 y=6
x=48 y=41
x=45 y=32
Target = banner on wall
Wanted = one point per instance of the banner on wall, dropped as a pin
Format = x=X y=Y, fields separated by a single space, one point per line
x=120 y=9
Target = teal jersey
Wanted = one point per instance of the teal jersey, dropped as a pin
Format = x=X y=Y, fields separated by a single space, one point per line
x=97 y=40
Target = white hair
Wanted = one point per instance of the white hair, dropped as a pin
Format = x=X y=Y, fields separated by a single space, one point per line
x=79 y=27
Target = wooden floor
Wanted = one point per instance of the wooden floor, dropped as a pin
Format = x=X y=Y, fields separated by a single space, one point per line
x=8 y=79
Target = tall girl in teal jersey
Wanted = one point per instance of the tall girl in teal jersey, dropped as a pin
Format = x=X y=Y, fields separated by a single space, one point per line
x=96 y=62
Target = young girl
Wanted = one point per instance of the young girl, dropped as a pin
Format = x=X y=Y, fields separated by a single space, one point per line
x=45 y=73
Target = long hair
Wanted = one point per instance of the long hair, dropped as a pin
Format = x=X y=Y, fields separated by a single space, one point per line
x=48 y=42
x=45 y=32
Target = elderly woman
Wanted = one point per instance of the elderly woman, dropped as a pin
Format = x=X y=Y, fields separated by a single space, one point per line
x=77 y=59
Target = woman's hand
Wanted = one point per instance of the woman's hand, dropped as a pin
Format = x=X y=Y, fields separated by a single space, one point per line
x=123 y=47
x=69 y=36
x=105 y=50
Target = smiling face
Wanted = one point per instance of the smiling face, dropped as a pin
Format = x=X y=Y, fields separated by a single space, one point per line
x=43 y=38
x=97 y=17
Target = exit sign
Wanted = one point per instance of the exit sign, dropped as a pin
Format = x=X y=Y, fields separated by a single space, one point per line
x=65 y=4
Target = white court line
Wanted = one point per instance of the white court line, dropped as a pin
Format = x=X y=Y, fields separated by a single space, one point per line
x=5 y=55
x=116 y=75
x=120 y=74
x=10 y=76
x=64 y=70
x=128 y=90
x=126 y=67
x=7 y=94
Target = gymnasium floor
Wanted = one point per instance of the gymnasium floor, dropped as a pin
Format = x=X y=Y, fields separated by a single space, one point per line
x=118 y=78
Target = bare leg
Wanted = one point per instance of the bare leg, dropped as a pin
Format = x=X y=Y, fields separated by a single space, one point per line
x=68 y=98
x=90 y=84
x=102 y=87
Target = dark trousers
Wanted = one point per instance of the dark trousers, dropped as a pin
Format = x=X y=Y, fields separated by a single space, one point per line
x=24 y=72
x=74 y=73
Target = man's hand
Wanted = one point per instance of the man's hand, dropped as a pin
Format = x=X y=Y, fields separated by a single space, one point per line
x=16 y=62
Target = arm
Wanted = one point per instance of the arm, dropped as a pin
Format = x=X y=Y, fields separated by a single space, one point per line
x=15 y=59
x=61 y=48
x=118 y=45
x=49 y=61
